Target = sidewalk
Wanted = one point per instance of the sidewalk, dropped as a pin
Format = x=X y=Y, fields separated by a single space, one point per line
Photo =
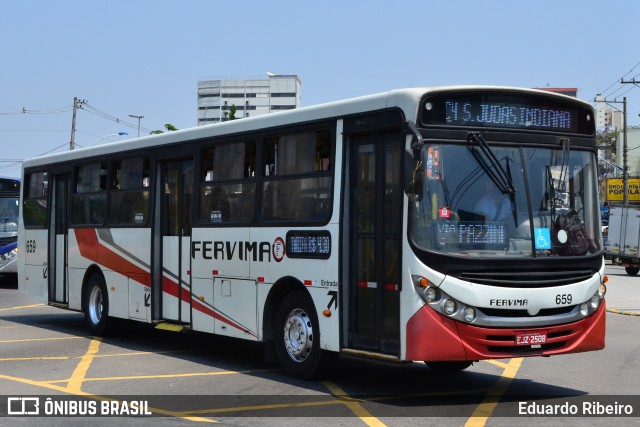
x=623 y=291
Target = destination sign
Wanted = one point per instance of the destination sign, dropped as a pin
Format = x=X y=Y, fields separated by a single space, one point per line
x=308 y=244
x=471 y=233
x=517 y=111
x=507 y=115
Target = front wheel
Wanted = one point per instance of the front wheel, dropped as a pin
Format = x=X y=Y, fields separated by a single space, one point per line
x=96 y=309
x=298 y=338
x=632 y=271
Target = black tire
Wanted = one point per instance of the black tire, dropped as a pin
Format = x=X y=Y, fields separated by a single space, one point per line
x=298 y=338
x=96 y=306
x=632 y=271
x=449 y=366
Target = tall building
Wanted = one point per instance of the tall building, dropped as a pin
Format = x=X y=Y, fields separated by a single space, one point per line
x=606 y=116
x=252 y=97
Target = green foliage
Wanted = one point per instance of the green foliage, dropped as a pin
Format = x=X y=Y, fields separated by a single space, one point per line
x=168 y=126
x=607 y=141
x=231 y=114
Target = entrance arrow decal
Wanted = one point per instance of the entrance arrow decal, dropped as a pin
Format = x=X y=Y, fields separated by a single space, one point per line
x=334 y=299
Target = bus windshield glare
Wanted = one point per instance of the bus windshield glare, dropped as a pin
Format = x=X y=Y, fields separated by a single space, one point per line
x=529 y=202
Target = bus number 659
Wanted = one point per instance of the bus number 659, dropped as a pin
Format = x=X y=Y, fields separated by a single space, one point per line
x=562 y=299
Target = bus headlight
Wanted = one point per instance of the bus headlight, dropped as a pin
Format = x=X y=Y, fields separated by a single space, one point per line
x=450 y=306
x=602 y=290
x=11 y=254
x=444 y=304
x=584 y=309
x=469 y=314
x=595 y=302
x=431 y=294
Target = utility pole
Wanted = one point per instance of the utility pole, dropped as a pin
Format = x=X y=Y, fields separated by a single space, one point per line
x=625 y=174
x=73 y=124
x=76 y=104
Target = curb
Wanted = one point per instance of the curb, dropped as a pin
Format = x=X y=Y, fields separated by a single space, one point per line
x=626 y=313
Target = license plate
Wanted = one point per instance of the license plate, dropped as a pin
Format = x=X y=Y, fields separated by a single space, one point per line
x=534 y=339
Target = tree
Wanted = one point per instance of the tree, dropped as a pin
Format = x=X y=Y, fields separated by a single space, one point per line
x=606 y=140
x=231 y=114
x=168 y=126
x=606 y=143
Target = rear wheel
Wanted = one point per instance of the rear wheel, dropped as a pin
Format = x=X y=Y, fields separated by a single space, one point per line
x=632 y=271
x=298 y=338
x=449 y=366
x=96 y=310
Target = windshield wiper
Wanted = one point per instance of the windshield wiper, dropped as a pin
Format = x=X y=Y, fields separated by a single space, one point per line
x=490 y=163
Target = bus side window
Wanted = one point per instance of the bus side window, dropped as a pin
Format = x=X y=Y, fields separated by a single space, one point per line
x=129 y=196
x=35 y=200
x=297 y=177
x=89 y=201
x=228 y=183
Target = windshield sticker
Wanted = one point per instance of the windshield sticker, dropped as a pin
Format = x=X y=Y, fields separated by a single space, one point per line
x=543 y=238
x=433 y=163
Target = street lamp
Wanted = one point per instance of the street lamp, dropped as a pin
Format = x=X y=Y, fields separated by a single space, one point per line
x=105 y=137
x=139 y=118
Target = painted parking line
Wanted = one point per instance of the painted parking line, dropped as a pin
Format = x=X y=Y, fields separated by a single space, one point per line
x=353 y=404
x=23 y=306
x=481 y=414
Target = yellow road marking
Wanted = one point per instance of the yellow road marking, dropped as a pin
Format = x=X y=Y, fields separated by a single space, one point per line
x=21 y=307
x=159 y=376
x=14 y=359
x=42 y=339
x=483 y=411
x=354 y=405
x=74 y=383
x=622 y=311
x=497 y=363
x=79 y=374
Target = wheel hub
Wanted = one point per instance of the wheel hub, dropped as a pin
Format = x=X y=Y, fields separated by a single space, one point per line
x=298 y=335
x=95 y=305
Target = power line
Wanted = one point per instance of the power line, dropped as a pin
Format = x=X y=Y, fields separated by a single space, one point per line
x=604 y=92
x=26 y=111
x=93 y=110
x=83 y=105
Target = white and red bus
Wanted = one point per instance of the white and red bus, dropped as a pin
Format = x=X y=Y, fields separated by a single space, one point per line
x=353 y=227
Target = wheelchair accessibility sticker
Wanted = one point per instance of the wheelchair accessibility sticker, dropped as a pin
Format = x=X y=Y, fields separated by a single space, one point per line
x=543 y=238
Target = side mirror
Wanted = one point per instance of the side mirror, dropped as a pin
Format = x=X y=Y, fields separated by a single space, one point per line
x=413 y=165
x=413 y=173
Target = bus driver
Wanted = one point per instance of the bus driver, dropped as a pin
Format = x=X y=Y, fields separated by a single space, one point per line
x=493 y=206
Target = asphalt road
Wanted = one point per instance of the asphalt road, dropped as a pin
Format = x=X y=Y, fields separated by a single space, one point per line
x=183 y=378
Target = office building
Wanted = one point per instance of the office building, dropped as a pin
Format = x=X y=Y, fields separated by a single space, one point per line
x=251 y=96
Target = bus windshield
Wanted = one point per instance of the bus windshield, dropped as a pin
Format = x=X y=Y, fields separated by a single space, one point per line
x=506 y=201
x=8 y=217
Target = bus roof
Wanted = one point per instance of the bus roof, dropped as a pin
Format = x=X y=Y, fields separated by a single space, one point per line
x=405 y=99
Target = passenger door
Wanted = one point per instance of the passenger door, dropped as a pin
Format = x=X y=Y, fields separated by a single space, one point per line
x=176 y=192
x=58 y=244
x=375 y=239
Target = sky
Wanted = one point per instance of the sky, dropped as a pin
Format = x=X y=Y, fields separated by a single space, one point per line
x=145 y=57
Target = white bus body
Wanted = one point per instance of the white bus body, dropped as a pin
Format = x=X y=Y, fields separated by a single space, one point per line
x=308 y=231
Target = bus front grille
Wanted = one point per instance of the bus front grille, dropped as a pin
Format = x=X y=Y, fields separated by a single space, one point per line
x=526 y=279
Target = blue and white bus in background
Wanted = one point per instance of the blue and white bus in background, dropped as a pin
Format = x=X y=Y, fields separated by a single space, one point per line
x=9 y=208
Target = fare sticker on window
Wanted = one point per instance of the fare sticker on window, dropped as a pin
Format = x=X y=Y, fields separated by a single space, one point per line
x=444 y=212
